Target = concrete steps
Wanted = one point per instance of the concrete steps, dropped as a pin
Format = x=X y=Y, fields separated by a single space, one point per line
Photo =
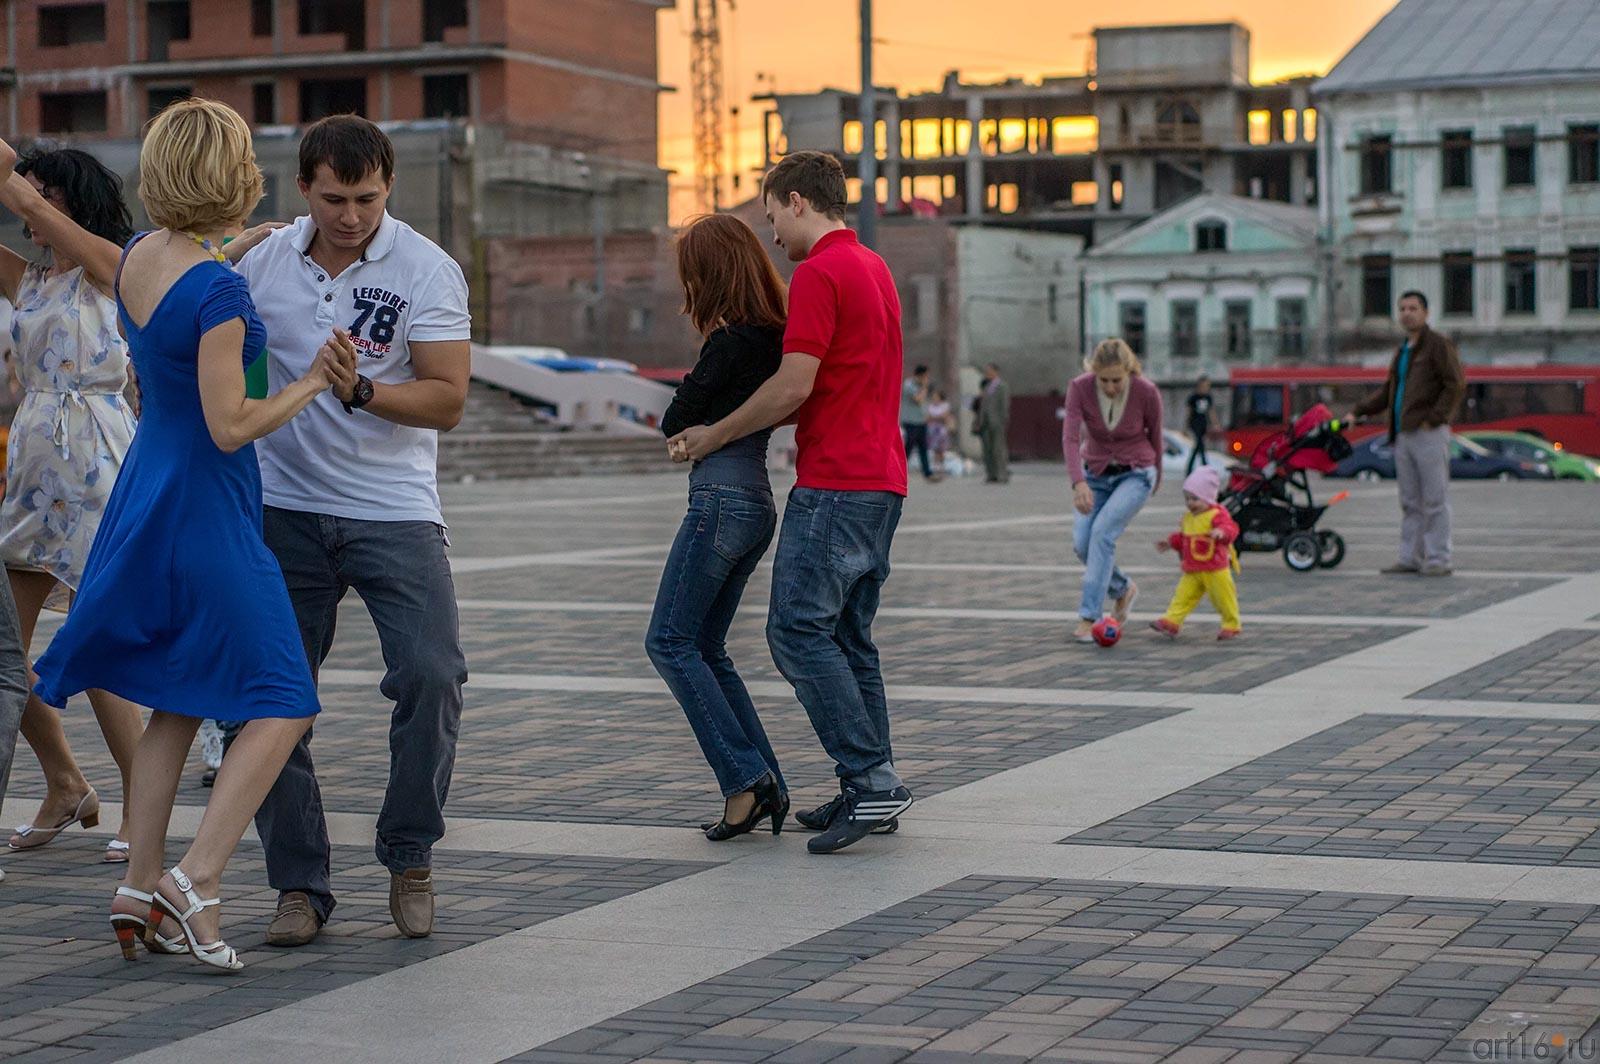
x=502 y=436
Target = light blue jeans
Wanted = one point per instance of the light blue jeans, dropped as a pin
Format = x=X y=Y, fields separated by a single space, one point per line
x=1094 y=536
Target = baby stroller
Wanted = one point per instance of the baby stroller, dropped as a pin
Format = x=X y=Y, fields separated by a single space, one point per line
x=1271 y=499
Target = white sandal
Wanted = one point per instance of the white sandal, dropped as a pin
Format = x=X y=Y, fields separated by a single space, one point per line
x=33 y=836
x=130 y=926
x=116 y=852
x=216 y=954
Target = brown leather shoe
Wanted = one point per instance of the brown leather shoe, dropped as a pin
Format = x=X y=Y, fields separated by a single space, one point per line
x=411 y=902
x=296 y=921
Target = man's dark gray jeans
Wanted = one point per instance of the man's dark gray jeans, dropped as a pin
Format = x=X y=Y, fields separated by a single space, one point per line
x=400 y=571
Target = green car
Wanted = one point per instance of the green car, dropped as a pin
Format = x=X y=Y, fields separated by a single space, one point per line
x=1529 y=448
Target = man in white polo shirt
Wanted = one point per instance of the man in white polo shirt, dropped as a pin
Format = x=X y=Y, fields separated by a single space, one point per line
x=352 y=500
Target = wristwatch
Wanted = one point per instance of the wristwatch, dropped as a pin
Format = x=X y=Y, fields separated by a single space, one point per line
x=360 y=396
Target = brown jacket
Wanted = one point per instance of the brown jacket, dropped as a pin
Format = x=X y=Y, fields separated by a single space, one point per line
x=1434 y=387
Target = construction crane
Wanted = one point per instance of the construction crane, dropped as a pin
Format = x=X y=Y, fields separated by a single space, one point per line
x=705 y=71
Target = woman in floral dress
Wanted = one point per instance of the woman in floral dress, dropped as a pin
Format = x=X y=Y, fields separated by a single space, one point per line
x=70 y=435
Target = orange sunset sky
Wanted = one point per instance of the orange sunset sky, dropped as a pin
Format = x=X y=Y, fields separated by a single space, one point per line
x=801 y=47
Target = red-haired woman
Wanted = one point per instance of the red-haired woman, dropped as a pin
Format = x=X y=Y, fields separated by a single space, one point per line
x=736 y=300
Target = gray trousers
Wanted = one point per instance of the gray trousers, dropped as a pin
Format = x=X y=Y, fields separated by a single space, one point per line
x=13 y=683
x=400 y=571
x=996 y=460
x=1422 y=466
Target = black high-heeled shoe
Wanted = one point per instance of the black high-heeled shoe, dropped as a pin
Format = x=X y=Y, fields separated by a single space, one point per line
x=770 y=802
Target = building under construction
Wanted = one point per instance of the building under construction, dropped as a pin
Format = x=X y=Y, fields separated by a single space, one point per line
x=1166 y=111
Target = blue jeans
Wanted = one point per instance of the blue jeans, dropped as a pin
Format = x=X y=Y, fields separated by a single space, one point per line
x=833 y=557
x=400 y=571
x=719 y=544
x=1094 y=537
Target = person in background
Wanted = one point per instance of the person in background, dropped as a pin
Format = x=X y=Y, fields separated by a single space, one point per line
x=1420 y=397
x=914 y=418
x=1204 y=542
x=1201 y=418
x=991 y=424
x=940 y=422
x=1112 y=443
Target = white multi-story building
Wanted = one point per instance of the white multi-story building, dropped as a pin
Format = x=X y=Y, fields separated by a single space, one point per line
x=1461 y=158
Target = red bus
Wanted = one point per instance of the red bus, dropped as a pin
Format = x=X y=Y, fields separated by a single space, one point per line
x=1560 y=403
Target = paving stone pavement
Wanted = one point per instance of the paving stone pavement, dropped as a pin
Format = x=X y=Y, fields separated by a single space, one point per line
x=995 y=971
x=67 y=994
x=1425 y=789
x=1561 y=667
x=1301 y=871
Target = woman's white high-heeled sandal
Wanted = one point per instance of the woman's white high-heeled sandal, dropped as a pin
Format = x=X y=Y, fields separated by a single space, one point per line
x=116 y=852
x=217 y=954
x=131 y=926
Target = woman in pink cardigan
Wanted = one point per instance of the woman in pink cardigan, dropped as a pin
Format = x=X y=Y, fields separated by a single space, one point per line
x=1112 y=442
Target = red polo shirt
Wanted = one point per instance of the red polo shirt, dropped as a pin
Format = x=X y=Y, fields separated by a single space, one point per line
x=844 y=310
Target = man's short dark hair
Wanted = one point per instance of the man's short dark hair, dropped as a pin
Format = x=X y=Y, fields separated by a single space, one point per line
x=350 y=146
x=919 y=371
x=816 y=175
x=1412 y=293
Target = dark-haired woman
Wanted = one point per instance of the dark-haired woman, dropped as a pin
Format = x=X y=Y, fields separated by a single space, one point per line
x=736 y=300
x=68 y=440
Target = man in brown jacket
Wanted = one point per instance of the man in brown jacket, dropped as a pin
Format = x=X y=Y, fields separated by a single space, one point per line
x=1422 y=393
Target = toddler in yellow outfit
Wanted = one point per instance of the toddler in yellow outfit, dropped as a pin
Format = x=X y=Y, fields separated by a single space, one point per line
x=1204 y=543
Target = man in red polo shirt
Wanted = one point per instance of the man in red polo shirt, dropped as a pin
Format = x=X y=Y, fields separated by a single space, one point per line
x=840 y=379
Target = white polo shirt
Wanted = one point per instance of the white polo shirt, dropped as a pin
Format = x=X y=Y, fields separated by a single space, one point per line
x=404 y=290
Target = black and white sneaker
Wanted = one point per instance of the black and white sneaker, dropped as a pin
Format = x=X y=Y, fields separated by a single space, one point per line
x=821 y=818
x=860 y=813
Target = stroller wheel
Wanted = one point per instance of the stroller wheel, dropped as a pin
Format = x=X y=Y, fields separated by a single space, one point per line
x=1302 y=551
x=1332 y=545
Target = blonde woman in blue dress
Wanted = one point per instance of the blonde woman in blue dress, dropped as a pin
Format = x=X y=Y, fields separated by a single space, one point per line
x=68 y=440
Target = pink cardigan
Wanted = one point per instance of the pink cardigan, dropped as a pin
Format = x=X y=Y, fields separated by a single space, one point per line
x=1136 y=441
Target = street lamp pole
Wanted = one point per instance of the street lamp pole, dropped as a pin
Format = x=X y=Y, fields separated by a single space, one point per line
x=867 y=219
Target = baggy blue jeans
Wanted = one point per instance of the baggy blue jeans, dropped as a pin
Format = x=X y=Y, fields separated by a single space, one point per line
x=1094 y=536
x=832 y=560
x=719 y=544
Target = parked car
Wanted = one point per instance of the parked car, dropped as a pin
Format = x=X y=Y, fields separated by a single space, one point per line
x=1527 y=447
x=1373 y=459
x=1175 y=453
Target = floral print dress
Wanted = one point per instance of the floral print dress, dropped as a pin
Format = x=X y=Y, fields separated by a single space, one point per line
x=73 y=427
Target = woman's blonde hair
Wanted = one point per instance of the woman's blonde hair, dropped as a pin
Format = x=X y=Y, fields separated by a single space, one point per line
x=197 y=168
x=1113 y=352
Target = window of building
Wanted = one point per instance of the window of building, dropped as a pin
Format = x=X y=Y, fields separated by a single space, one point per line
x=1114 y=193
x=1583 y=154
x=1520 y=156
x=1583 y=278
x=1178 y=121
x=1291 y=327
x=441 y=15
x=639 y=320
x=1457 y=281
x=159 y=99
x=1377 y=285
x=1130 y=321
x=72 y=112
x=1236 y=326
x=1455 y=158
x=165 y=21
x=321 y=97
x=67 y=24
x=446 y=96
x=264 y=102
x=1377 y=163
x=348 y=17
x=1185 y=328
x=1211 y=235
x=1053 y=304
x=263 y=17
x=1521 y=281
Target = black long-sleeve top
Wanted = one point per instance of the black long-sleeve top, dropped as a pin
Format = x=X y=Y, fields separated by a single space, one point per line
x=734 y=361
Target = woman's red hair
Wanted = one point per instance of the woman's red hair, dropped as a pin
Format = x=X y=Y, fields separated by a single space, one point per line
x=728 y=279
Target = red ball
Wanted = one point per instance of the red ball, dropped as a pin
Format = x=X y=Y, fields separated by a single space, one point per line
x=1107 y=631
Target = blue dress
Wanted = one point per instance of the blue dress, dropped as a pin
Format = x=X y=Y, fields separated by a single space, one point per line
x=182 y=607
